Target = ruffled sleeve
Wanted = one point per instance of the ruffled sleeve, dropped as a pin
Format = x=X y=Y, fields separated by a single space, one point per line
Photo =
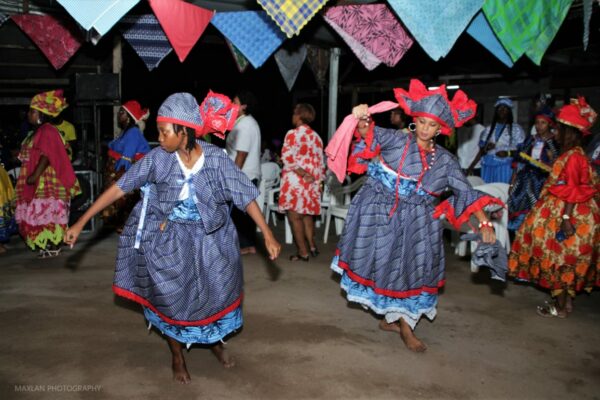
x=464 y=200
x=369 y=147
x=574 y=184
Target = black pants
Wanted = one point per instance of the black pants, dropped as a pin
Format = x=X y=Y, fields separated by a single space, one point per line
x=245 y=226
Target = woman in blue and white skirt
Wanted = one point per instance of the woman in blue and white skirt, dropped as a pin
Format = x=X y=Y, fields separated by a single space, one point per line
x=178 y=254
x=390 y=254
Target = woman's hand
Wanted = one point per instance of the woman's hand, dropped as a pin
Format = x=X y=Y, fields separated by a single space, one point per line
x=272 y=246
x=30 y=180
x=502 y=154
x=488 y=235
x=567 y=227
x=361 y=111
x=489 y=146
x=308 y=178
x=72 y=234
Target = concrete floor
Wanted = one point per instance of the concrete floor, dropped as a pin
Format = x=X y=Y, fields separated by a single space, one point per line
x=66 y=336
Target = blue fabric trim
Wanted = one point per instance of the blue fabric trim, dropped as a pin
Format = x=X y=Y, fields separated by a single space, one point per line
x=406 y=187
x=185 y=210
x=410 y=309
x=207 y=334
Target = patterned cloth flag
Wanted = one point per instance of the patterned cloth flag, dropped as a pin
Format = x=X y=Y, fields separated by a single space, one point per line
x=3 y=17
x=526 y=26
x=290 y=63
x=481 y=31
x=368 y=59
x=57 y=39
x=240 y=61
x=182 y=22
x=98 y=14
x=587 y=15
x=144 y=34
x=292 y=15
x=376 y=34
x=435 y=24
x=318 y=61
x=251 y=32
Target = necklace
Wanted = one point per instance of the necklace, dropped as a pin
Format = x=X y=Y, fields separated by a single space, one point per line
x=427 y=166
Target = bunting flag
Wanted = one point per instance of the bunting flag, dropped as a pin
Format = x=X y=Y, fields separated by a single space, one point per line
x=434 y=24
x=368 y=59
x=290 y=63
x=100 y=15
x=291 y=15
x=182 y=22
x=251 y=32
x=241 y=62
x=481 y=31
x=526 y=26
x=57 y=39
x=318 y=61
x=3 y=18
x=587 y=15
x=376 y=34
x=144 y=34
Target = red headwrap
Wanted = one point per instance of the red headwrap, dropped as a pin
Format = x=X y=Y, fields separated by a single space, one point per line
x=578 y=114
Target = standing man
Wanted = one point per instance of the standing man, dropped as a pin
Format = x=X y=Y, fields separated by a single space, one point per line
x=243 y=147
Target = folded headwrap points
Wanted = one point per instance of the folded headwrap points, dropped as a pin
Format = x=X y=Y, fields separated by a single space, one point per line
x=135 y=110
x=578 y=114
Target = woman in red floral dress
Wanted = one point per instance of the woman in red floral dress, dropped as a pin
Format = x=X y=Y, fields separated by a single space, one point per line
x=303 y=171
x=558 y=245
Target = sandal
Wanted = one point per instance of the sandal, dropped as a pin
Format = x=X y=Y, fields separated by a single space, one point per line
x=549 y=310
x=298 y=257
x=48 y=253
x=314 y=252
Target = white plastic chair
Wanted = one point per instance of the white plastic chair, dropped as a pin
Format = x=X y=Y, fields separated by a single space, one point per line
x=330 y=184
x=339 y=204
x=475 y=180
x=273 y=206
x=270 y=176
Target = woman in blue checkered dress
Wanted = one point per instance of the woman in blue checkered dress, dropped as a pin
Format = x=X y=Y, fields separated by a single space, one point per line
x=390 y=255
x=179 y=255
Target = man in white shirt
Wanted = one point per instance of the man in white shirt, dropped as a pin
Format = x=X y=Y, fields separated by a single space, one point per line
x=243 y=147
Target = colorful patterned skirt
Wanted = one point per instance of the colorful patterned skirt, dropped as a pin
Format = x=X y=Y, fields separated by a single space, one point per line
x=571 y=265
x=44 y=218
x=8 y=225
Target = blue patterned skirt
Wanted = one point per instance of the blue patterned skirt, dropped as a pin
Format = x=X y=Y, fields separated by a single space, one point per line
x=189 y=282
x=391 y=265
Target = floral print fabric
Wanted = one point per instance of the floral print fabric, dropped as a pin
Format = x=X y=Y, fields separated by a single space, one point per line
x=302 y=148
x=537 y=256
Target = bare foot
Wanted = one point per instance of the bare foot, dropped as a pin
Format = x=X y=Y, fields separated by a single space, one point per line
x=223 y=355
x=393 y=327
x=180 y=372
x=410 y=340
x=248 y=250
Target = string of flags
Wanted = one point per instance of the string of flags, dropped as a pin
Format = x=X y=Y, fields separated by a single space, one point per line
x=376 y=33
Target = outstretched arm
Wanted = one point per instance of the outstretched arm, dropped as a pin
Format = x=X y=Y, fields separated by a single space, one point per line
x=272 y=245
x=111 y=195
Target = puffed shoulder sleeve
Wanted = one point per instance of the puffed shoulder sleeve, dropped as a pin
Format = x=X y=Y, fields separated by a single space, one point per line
x=139 y=173
x=236 y=185
x=575 y=181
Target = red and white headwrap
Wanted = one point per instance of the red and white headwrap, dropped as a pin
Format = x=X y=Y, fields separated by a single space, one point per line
x=215 y=115
x=135 y=110
x=578 y=114
x=417 y=101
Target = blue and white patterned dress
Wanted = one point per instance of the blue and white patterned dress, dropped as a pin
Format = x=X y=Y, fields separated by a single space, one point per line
x=186 y=271
x=394 y=265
